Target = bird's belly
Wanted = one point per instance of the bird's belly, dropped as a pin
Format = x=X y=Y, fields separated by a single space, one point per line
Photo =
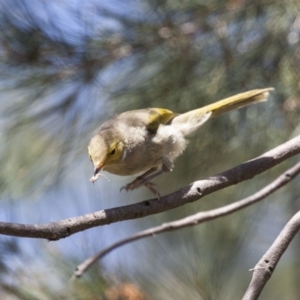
x=168 y=143
x=127 y=168
x=137 y=160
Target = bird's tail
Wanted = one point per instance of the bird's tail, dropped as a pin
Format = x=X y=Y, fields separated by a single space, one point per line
x=192 y=120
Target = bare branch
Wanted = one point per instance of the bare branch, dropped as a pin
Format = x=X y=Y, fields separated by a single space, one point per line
x=195 y=219
x=267 y=264
x=191 y=193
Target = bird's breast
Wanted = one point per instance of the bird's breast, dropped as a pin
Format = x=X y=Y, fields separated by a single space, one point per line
x=139 y=157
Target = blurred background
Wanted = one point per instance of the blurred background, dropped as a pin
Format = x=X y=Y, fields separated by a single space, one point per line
x=68 y=65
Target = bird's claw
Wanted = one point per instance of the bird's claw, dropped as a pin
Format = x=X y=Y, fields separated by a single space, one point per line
x=138 y=182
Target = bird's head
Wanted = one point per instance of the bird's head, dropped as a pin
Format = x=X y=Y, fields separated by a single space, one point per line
x=105 y=150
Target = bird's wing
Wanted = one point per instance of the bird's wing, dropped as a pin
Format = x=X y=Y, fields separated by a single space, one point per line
x=151 y=118
x=158 y=116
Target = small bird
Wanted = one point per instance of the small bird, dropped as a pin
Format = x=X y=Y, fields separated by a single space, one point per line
x=149 y=140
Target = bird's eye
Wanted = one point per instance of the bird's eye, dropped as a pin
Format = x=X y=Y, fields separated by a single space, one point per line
x=112 y=152
x=90 y=158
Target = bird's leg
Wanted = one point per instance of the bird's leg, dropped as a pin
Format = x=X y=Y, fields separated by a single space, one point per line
x=145 y=178
x=139 y=181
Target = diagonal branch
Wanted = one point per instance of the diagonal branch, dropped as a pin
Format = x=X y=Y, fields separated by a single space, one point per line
x=195 y=219
x=190 y=193
x=267 y=264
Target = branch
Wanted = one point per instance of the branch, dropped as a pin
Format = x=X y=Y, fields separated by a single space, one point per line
x=190 y=193
x=266 y=266
x=195 y=219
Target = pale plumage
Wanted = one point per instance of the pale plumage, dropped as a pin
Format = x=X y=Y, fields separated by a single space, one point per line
x=149 y=140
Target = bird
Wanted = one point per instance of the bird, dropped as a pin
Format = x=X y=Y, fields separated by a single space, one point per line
x=147 y=141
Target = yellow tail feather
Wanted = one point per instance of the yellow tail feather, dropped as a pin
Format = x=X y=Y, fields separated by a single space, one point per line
x=195 y=118
x=236 y=102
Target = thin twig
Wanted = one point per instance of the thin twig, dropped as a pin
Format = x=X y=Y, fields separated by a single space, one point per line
x=193 y=192
x=195 y=219
x=267 y=264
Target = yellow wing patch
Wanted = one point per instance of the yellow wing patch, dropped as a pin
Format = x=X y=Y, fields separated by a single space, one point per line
x=159 y=116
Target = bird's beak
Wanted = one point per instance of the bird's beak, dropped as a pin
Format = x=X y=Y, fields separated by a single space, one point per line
x=98 y=168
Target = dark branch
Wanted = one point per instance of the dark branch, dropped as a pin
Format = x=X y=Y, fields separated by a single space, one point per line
x=191 y=193
x=267 y=264
x=195 y=219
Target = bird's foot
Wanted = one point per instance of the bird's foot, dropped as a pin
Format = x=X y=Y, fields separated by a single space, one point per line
x=138 y=182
